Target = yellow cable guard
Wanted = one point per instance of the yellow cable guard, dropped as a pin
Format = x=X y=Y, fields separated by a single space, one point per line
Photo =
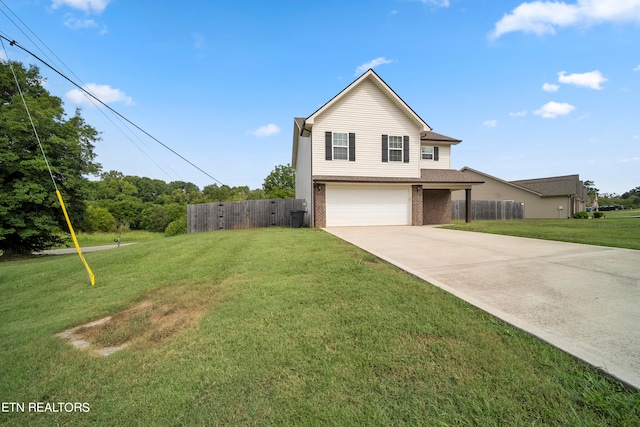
x=75 y=241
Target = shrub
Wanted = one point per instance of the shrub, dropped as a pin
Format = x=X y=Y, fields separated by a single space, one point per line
x=100 y=219
x=179 y=226
x=581 y=215
x=598 y=214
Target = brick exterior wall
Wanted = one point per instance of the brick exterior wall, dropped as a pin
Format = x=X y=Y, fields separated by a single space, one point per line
x=417 y=217
x=319 y=205
x=437 y=207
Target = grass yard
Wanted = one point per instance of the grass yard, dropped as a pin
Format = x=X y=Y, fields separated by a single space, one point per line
x=276 y=327
x=619 y=229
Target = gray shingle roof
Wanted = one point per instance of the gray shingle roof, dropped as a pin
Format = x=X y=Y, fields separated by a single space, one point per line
x=299 y=121
x=553 y=186
x=432 y=136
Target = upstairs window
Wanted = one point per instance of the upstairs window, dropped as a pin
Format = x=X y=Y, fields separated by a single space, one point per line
x=395 y=148
x=340 y=146
x=427 y=152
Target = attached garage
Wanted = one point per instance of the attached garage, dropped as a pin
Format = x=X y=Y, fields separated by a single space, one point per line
x=351 y=205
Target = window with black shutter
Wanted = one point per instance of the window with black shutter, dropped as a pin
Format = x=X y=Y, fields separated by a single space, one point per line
x=340 y=146
x=385 y=148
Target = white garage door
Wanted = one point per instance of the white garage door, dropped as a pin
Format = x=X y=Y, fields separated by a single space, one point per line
x=366 y=205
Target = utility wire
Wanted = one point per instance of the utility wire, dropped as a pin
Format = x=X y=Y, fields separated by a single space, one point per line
x=33 y=126
x=58 y=194
x=88 y=93
x=84 y=85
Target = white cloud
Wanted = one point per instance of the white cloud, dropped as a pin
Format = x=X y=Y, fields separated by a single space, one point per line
x=592 y=79
x=548 y=87
x=637 y=68
x=105 y=93
x=267 y=130
x=88 y=6
x=439 y=3
x=519 y=113
x=79 y=24
x=632 y=159
x=372 y=64
x=490 y=123
x=552 y=109
x=543 y=17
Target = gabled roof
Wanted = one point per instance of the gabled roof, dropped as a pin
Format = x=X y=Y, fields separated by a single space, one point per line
x=298 y=127
x=466 y=168
x=436 y=137
x=544 y=187
x=371 y=76
x=553 y=186
x=299 y=121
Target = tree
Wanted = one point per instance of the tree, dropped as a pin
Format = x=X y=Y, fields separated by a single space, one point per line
x=156 y=218
x=29 y=211
x=149 y=189
x=591 y=188
x=100 y=219
x=280 y=183
x=113 y=186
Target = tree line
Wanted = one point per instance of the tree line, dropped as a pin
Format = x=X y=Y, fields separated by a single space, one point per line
x=629 y=199
x=116 y=201
x=30 y=215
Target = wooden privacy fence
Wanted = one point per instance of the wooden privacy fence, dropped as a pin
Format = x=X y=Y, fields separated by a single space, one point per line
x=487 y=209
x=241 y=215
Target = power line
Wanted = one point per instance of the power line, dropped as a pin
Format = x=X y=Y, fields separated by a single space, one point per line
x=84 y=85
x=88 y=93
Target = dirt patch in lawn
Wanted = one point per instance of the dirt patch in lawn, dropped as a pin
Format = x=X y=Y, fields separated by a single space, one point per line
x=146 y=324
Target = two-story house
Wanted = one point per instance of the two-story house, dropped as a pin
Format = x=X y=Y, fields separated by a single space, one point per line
x=366 y=158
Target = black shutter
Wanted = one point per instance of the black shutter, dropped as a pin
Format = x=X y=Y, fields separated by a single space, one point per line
x=405 y=148
x=328 y=149
x=436 y=153
x=385 y=148
x=352 y=147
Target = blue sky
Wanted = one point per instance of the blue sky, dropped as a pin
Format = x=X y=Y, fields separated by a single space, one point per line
x=533 y=88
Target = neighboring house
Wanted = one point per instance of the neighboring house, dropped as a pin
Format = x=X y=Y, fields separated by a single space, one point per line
x=553 y=197
x=366 y=158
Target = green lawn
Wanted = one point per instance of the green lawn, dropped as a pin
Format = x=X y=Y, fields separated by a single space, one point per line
x=277 y=327
x=619 y=229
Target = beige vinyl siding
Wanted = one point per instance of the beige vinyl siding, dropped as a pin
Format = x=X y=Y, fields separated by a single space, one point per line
x=303 y=173
x=534 y=205
x=444 y=156
x=369 y=113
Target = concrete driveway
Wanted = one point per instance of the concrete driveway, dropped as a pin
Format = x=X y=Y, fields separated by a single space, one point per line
x=583 y=299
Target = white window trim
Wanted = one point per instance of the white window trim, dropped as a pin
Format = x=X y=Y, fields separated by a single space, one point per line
x=390 y=149
x=334 y=146
x=422 y=153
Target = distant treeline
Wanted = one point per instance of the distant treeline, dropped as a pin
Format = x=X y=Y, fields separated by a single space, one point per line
x=118 y=201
